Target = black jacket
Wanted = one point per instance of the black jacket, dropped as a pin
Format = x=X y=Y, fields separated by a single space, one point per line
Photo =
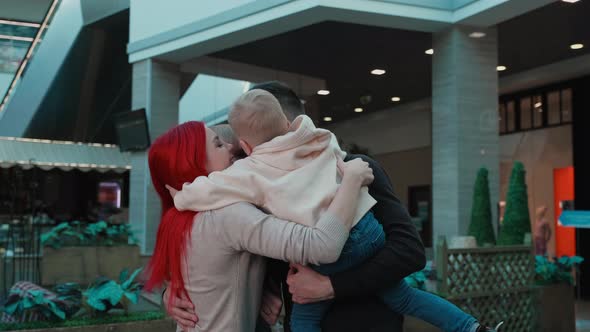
x=356 y=307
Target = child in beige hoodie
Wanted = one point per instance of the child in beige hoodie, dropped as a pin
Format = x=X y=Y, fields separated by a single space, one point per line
x=291 y=172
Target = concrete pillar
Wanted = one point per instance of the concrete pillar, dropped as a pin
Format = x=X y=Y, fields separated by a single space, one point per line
x=464 y=124
x=155 y=87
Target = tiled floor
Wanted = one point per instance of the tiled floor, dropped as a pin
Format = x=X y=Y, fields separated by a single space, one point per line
x=583 y=316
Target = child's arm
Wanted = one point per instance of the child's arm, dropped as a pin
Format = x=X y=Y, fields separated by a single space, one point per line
x=219 y=189
x=335 y=147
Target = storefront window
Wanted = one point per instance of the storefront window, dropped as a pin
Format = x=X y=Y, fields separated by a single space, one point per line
x=525 y=113
x=566 y=105
x=553 y=108
x=502 y=118
x=538 y=109
x=510 y=117
x=541 y=109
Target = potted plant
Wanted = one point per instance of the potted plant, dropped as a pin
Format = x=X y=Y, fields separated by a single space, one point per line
x=481 y=226
x=103 y=306
x=556 y=301
x=32 y=302
x=106 y=294
x=517 y=221
x=96 y=249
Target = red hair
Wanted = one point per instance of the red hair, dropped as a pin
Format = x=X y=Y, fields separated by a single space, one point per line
x=176 y=157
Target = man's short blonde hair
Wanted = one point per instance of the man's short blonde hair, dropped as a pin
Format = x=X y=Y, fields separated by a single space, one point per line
x=257 y=117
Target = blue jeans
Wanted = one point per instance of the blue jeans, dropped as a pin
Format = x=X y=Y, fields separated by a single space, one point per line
x=366 y=238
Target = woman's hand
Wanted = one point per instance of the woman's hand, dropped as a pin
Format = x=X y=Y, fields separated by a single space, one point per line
x=271 y=306
x=183 y=311
x=356 y=169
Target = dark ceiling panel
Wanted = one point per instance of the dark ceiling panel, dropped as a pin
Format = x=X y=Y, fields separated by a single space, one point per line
x=543 y=36
x=343 y=54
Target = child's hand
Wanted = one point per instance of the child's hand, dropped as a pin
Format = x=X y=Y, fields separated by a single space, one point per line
x=357 y=169
x=172 y=191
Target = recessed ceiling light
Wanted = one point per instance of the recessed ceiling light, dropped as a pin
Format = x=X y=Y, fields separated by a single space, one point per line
x=323 y=92
x=358 y=110
x=576 y=46
x=570 y=1
x=538 y=104
x=477 y=34
x=395 y=99
x=327 y=118
x=378 y=72
x=429 y=51
x=501 y=68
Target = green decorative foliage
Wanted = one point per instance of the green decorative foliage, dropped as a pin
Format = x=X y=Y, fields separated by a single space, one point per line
x=95 y=229
x=516 y=218
x=20 y=302
x=556 y=271
x=95 y=234
x=69 y=301
x=71 y=294
x=59 y=234
x=101 y=233
x=481 y=212
x=85 y=321
x=106 y=294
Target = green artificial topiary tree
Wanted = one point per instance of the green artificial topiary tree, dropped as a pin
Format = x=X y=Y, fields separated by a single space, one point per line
x=516 y=218
x=481 y=211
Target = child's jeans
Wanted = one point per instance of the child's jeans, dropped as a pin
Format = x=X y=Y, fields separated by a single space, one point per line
x=365 y=239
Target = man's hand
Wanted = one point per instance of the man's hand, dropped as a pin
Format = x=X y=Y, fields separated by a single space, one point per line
x=271 y=307
x=172 y=191
x=308 y=286
x=183 y=311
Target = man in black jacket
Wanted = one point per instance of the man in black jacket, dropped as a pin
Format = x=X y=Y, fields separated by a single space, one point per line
x=356 y=306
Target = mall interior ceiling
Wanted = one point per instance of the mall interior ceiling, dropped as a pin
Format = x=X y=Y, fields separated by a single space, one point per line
x=345 y=54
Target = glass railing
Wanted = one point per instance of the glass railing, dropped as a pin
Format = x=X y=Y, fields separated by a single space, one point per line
x=18 y=42
x=15 y=40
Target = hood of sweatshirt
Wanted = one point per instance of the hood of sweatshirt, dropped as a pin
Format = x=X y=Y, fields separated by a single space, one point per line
x=302 y=143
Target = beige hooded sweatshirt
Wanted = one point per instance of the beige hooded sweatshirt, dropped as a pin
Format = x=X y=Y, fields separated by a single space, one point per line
x=294 y=177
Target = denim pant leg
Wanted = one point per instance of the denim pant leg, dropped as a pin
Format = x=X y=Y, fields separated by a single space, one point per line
x=428 y=307
x=365 y=239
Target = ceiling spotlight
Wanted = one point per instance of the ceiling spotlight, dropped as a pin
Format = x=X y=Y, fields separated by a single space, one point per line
x=576 y=46
x=538 y=104
x=378 y=72
x=396 y=99
x=429 y=51
x=477 y=34
x=323 y=92
x=570 y=1
x=358 y=110
x=501 y=68
x=327 y=118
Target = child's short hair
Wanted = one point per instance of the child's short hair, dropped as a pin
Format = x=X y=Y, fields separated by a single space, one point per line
x=256 y=117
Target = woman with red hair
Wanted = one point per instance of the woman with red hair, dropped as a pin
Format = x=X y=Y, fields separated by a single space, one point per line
x=212 y=257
